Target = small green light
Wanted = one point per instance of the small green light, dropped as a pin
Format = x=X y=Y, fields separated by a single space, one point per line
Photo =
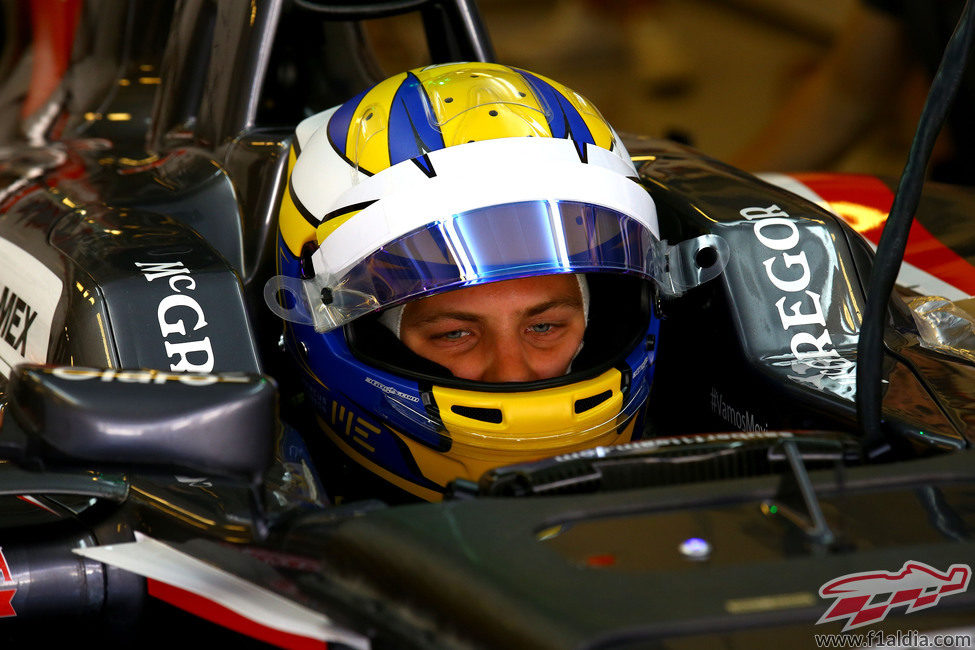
x=773 y=509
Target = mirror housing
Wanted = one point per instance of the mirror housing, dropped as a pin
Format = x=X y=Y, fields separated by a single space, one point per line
x=216 y=424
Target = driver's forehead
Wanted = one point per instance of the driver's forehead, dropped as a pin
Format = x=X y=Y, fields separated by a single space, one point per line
x=512 y=296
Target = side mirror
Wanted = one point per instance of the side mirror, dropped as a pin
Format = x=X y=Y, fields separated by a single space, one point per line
x=220 y=424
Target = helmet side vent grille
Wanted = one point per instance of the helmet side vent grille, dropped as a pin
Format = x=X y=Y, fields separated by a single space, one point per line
x=586 y=403
x=494 y=416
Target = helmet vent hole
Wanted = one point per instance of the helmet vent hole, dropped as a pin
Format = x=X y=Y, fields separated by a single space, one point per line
x=586 y=403
x=447 y=100
x=706 y=257
x=494 y=416
x=493 y=113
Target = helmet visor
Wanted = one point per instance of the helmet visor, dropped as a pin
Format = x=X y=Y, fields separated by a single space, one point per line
x=489 y=244
x=486 y=245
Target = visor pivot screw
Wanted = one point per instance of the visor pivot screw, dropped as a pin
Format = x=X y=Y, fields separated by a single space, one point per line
x=706 y=257
x=327 y=296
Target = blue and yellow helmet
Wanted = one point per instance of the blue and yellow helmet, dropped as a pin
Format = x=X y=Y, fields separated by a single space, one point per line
x=445 y=177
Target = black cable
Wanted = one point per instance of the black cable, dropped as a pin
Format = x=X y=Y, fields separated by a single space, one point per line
x=893 y=240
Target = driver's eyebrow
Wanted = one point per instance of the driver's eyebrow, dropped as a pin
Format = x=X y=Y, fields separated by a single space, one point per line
x=567 y=301
x=469 y=317
x=447 y=315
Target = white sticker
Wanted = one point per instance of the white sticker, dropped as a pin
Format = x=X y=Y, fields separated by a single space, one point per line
x=29 y=294
x=282 y=620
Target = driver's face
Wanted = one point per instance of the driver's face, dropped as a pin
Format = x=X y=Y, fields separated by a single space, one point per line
x=515 y=330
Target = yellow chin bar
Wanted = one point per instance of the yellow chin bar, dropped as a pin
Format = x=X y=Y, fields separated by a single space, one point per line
x=530 y=420
x=489 y=430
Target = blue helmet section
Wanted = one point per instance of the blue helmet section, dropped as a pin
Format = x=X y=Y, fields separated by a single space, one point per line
x=563 y=119
x=412 y=130
x=341 y=122
x=348 y=395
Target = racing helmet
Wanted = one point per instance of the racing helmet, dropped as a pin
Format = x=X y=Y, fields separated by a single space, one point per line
x=445 y=177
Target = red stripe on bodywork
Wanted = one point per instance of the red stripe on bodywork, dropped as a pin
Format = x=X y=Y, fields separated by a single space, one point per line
x=216 y=613
x=34 y=502
x=924 y=250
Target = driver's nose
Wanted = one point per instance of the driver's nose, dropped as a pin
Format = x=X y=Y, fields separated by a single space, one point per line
x=508 y=362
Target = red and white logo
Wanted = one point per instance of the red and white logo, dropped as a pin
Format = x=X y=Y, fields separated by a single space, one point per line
x=7 y=589
x=865 y=598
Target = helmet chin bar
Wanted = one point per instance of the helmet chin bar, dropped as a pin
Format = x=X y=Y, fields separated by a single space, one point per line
x=322 y=302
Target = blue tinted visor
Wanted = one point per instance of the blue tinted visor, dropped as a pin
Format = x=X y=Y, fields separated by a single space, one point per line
x=488 y=244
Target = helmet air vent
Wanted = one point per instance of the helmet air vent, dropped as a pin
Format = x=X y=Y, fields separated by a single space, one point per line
x=586 y=403
x=494 y=416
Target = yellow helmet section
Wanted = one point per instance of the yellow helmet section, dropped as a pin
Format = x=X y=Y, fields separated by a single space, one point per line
x=481 y=102
x=414 y=113
x=529 y=421
x=295 y=228
x=326 y=227
x=447 y=105
x=585 y=414
x=367 y=143
x=443 y=468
